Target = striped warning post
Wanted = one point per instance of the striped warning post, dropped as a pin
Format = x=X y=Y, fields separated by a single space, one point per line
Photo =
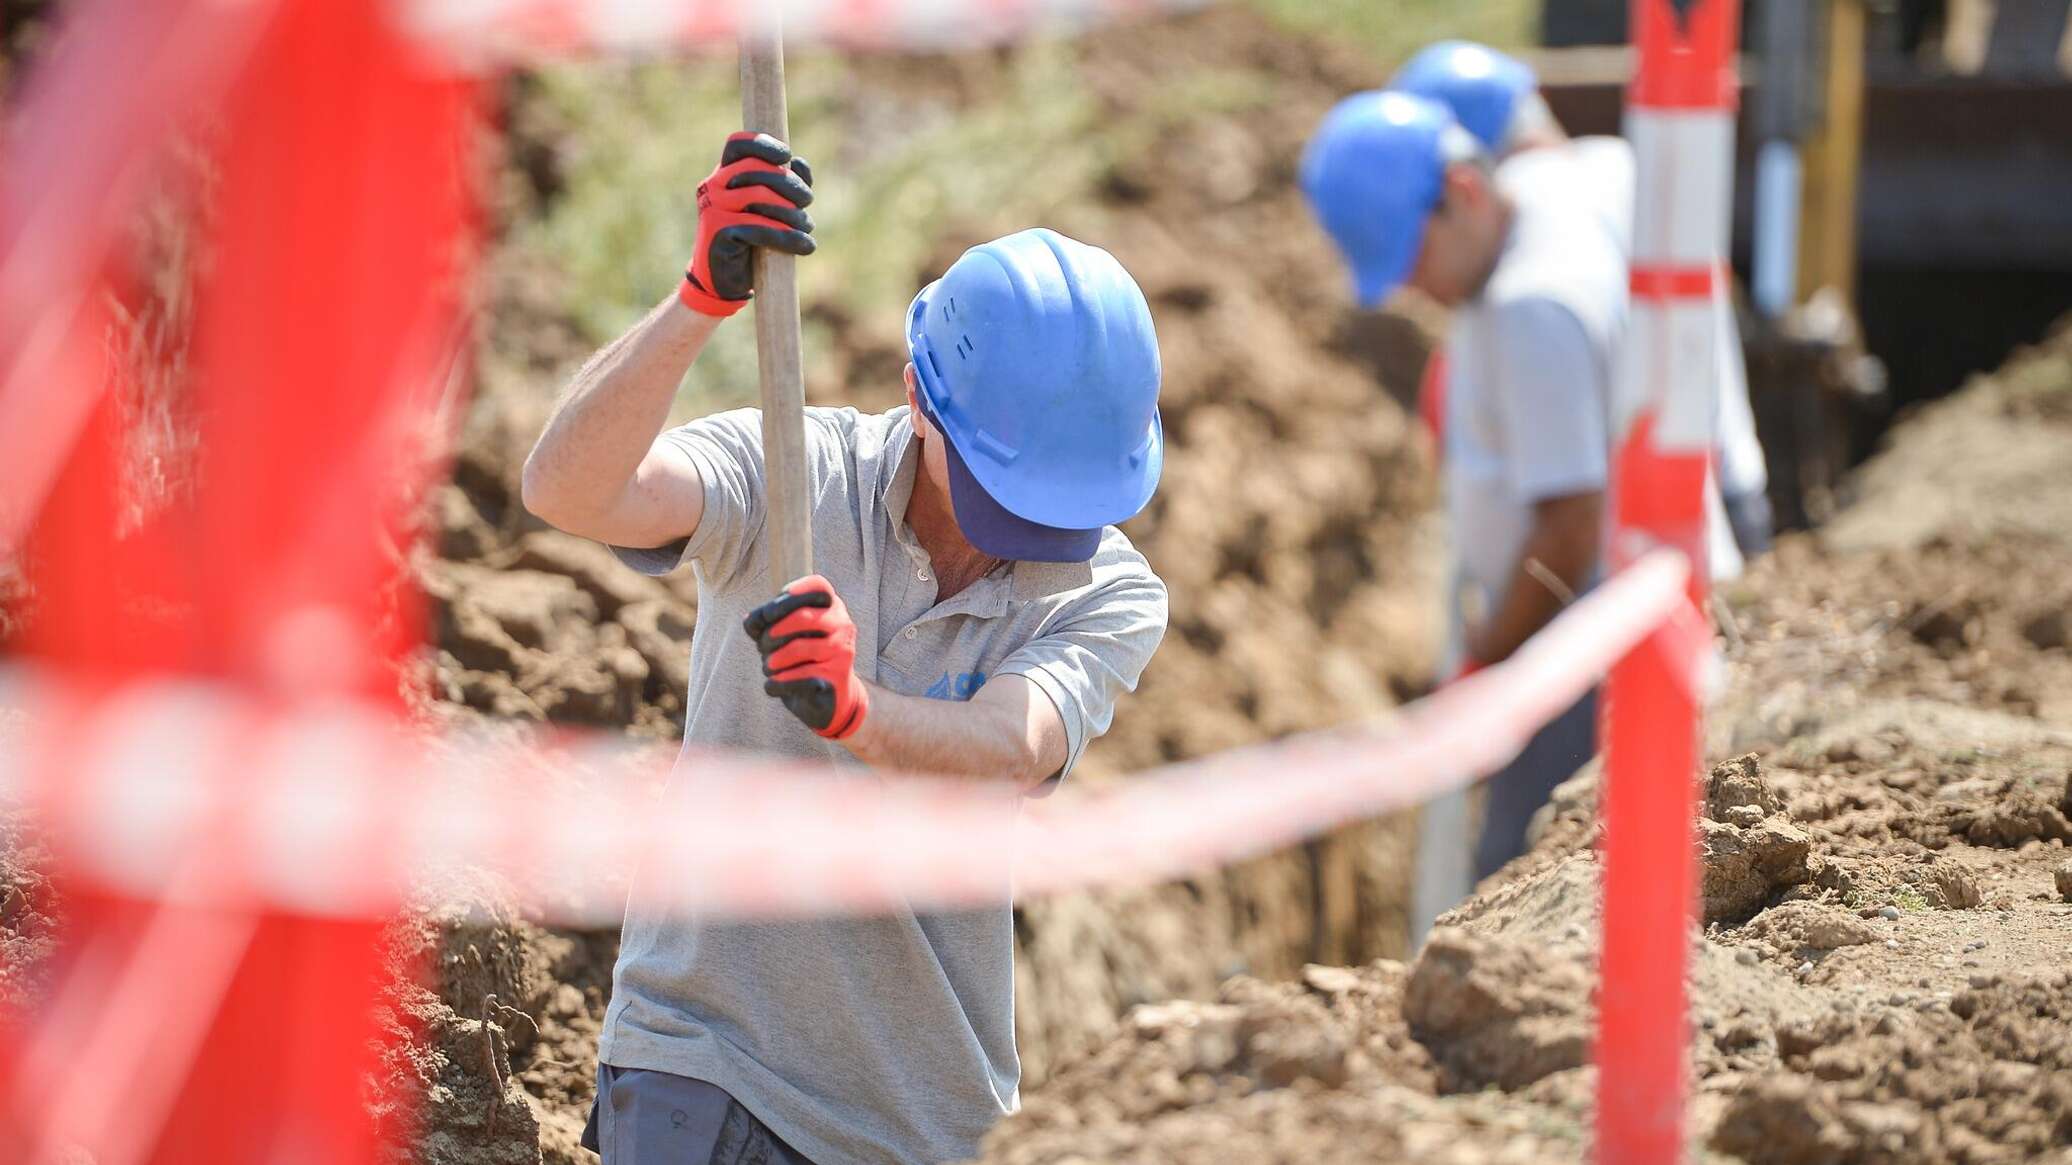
x=1680 y=119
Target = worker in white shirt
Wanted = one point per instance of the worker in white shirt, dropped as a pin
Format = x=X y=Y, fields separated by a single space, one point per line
x=1496 y=98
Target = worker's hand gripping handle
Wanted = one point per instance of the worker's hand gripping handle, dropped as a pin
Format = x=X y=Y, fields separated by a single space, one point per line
x=757 y=197
x=808 y=644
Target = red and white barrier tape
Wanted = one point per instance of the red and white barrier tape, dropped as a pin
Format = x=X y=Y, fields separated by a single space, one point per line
x=340 y=811
x=487 y=34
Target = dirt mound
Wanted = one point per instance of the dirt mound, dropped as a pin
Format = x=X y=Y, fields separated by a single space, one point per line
x=1977 y=622
x=1880 y=1001
x=1982 y=1075
x=1880 y=974
x=1995 y=458
x=1322 y=1069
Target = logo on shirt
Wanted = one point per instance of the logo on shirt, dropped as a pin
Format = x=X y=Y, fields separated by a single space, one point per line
x=961 y=686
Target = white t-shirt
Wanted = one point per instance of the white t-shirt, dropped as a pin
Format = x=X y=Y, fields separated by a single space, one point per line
x=1530 y=363
x=1607 y=180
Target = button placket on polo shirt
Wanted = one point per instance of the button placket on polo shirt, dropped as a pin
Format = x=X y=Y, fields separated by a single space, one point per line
x=902 y=647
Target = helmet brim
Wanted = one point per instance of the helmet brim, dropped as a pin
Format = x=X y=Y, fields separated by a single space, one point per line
x=999 y=531
x=1377 y=280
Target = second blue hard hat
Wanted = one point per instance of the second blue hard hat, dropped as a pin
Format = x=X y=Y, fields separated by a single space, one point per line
x=1479 y=84
x=1038 y=363
x=1373 y=172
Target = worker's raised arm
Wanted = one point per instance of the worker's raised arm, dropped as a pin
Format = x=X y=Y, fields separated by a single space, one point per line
x=598 y=470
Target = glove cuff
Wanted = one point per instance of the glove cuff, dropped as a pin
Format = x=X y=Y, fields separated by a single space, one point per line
x=845 y=727
x=699 y=300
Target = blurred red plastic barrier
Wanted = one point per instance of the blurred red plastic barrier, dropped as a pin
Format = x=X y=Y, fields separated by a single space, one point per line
x=495 y=33
x=337 y=811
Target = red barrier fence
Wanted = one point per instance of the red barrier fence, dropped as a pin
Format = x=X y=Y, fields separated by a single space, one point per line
x=213 y=747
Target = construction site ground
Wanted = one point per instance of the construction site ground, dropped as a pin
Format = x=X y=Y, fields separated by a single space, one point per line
x=1882 y=974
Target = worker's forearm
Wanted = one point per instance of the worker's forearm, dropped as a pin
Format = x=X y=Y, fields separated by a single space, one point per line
x=990 y=740
x=1556 y=563
x=603 y=427
x=1526 y=605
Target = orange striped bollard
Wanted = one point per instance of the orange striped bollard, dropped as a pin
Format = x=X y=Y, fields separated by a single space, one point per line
x=1680 y=119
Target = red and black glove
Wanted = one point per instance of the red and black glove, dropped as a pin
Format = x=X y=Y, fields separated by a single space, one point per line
x=756 y=198
x=809 y=656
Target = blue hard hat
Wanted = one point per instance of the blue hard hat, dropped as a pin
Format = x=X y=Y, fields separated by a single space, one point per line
x=1037 y=362
x=1373 y=173
x=1479 y=84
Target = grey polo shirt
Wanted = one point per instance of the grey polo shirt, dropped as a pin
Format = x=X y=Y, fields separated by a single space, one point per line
x=884 y=1039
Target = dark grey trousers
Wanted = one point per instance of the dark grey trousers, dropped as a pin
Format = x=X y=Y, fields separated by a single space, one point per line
x=1518 y=789
x=644 y=1117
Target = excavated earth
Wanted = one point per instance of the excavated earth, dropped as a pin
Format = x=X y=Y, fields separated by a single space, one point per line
x=1882 y=972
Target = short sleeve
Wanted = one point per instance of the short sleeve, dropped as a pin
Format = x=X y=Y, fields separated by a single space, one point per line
x=1093 y=652
x=1553 y=397
x=726 y=449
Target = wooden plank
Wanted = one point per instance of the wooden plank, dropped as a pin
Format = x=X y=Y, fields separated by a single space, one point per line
x=777 y=334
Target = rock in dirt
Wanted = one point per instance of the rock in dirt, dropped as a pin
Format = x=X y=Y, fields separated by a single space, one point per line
x=1952 y=887
x=1810 y=926
x=2062 y=878
x=1746 y=867
x=1739 y=782
x=2049 y=628
x=1495 y=1012
x=1752 y=852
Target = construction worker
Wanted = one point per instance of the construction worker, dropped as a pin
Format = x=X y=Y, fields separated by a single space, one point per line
x=976 y=615
x=1538 y=289
x=1497 y=98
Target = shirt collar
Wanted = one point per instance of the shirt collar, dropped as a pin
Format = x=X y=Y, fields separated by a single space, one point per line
x=902 y=451
x=1021 y=582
